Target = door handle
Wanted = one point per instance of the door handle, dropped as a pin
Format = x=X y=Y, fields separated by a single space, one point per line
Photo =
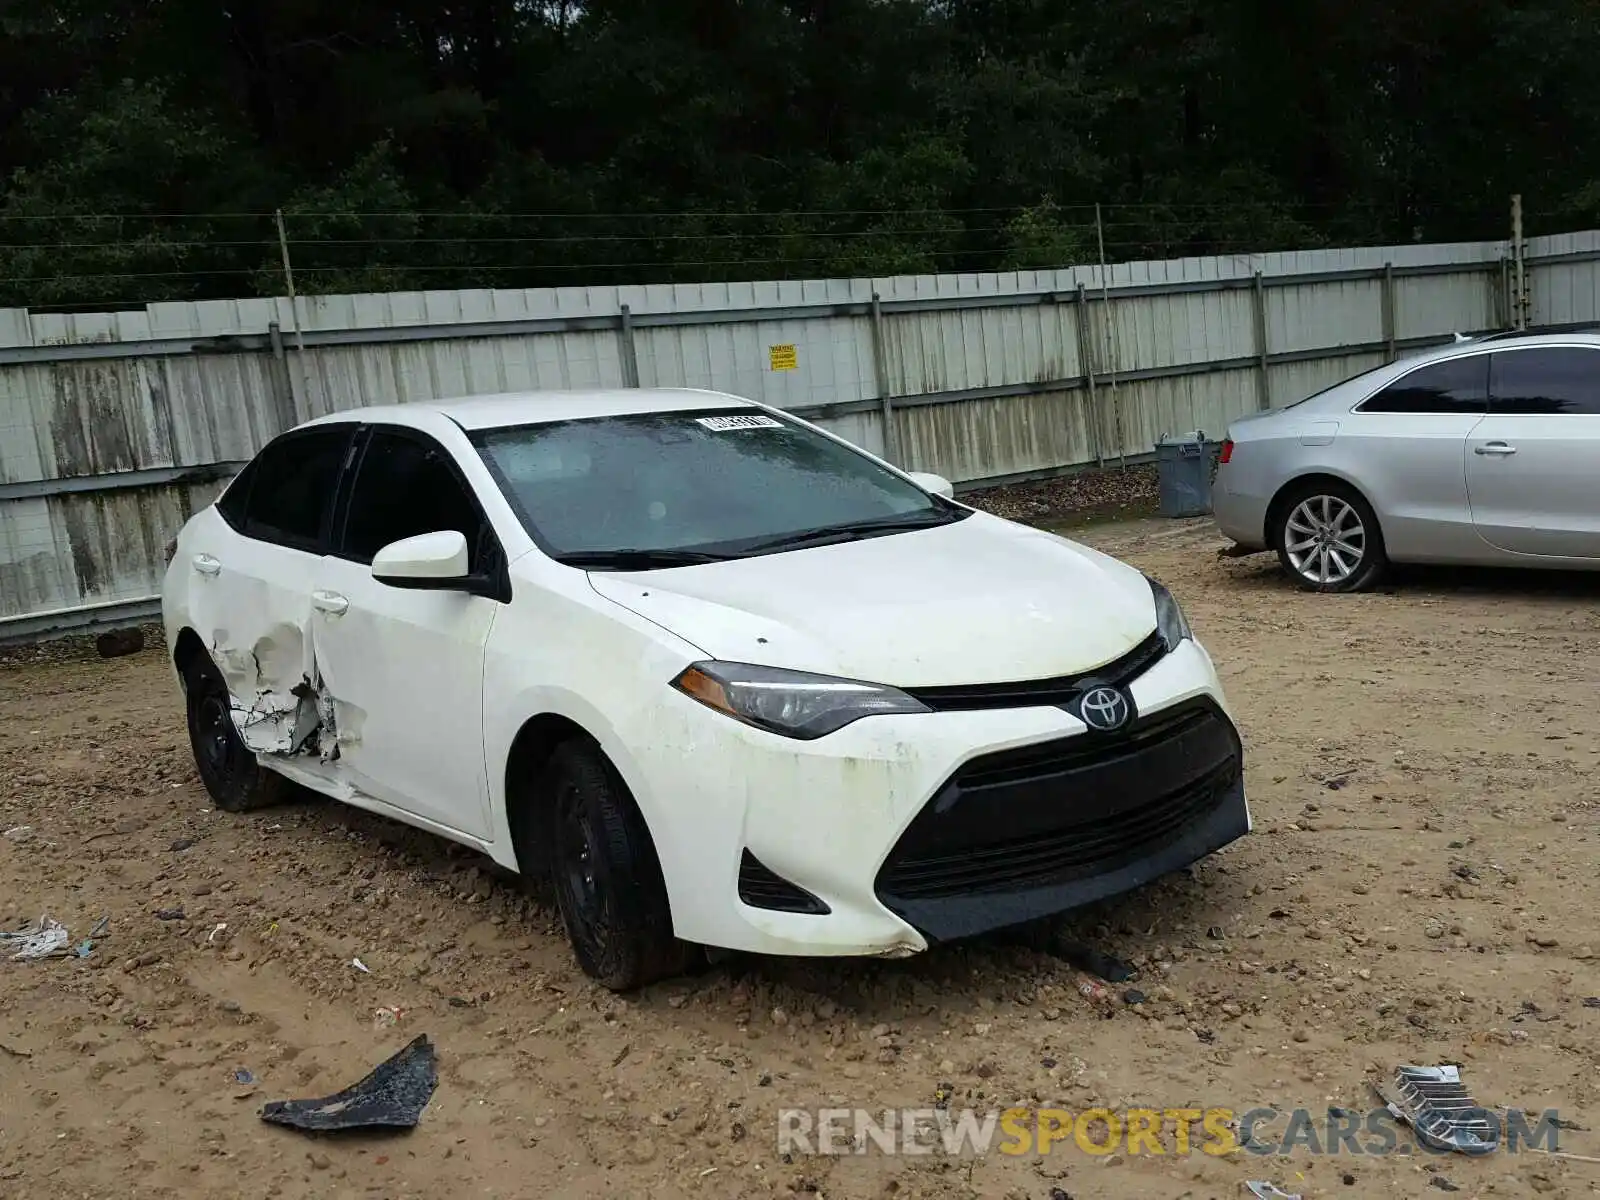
x=329 y=602
x=1499 y=448
x=206 y=565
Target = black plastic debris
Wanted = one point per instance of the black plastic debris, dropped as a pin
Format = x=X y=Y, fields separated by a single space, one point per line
x=392 y=1097
x=1095 y=962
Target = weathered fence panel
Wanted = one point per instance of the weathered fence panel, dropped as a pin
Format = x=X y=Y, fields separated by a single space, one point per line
x=115 y=426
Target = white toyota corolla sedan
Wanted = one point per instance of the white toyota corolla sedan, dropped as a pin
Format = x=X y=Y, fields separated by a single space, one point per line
x=729 y=680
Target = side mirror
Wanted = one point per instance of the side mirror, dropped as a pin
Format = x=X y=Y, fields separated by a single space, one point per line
x=429 y=561
x=937 y=484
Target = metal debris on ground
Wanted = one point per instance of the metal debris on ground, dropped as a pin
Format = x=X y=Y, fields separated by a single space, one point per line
x=1435 y=1103
x=47 y=938
x=1269 y=1191
x=391 y=1097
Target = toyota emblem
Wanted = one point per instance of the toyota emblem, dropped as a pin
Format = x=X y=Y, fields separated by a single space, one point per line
x=1104 y=709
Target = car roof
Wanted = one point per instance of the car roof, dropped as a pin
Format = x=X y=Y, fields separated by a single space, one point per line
x=534 y=408
x=1506 y=340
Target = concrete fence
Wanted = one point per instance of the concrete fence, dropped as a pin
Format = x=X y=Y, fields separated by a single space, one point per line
x=114 y=427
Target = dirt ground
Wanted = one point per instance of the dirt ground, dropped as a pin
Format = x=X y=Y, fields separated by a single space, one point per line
x=1421 y=886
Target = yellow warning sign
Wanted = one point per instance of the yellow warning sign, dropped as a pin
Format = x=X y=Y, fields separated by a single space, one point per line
x=783 y=358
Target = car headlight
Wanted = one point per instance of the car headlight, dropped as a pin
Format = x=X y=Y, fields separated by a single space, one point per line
x=1170 y=621
x=792 y=703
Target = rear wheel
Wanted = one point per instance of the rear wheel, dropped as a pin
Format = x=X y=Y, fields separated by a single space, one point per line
x=606 y=875
x=236 y=781
x=1328 y=539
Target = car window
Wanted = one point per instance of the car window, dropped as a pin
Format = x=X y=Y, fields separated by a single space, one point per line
x=1555 y=381
x=236 y=496
x=712 y=481
x=406 y=485
x=1457 y=385
x=293 y=485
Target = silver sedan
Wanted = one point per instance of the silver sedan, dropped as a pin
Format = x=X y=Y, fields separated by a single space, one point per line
x=1485 y=452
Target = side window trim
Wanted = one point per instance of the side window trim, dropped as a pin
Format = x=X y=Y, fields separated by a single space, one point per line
x=1486 y=355
x=319 y=544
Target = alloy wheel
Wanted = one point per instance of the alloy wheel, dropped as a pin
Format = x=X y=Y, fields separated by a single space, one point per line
x=1325 y=539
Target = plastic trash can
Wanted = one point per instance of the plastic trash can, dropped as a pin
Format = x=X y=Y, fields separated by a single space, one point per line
x=1185 y=464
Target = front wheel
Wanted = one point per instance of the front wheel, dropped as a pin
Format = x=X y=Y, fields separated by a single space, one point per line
x=607 y=876
x=1328 y=539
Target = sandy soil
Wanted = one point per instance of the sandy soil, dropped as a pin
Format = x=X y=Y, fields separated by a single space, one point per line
x=1421 y=887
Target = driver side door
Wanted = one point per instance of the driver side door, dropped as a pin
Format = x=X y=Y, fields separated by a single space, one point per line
x=404 y=667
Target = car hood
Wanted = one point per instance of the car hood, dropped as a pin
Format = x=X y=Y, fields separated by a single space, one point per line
x=978 y=601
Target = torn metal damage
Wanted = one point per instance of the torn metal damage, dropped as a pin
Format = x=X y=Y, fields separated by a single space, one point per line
x=278 y=699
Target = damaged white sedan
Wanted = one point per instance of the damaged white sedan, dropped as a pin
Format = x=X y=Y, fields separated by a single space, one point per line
x=728 y=680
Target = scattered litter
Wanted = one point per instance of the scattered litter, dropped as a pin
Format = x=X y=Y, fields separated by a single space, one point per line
x=45 y=939
x=18 y=833
x=212 y=936
x=1093 y=990
x=85 y=948
x=1134 y=996
x=170 y=914
x=1269 y=1191
x=360 y=966
x=1443 y=1184
x=1591 y=1001
x=387 y=1017
x=243 y=1075
x=392 y=1096
x=182 y=844
x=14 y=1052
x=100 y=927
x=1433 y=1101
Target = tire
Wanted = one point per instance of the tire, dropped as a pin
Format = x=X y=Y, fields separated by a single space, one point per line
x=606 y=876
x=1327 y=538
x=233 y=777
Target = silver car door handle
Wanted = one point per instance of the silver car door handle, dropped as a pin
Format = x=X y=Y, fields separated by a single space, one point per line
x=1494 y=448
x=206 y=565
x=329 y=602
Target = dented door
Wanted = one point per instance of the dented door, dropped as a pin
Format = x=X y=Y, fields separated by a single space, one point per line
x=250 y=603
x=403 y=672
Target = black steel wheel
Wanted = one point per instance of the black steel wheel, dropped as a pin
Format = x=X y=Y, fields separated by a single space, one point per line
x=233 y=777
x=605 y=872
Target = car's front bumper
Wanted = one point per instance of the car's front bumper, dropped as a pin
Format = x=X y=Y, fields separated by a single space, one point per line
x=916 y=829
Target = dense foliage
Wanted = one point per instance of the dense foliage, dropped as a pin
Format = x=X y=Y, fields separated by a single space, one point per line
x=145 y=144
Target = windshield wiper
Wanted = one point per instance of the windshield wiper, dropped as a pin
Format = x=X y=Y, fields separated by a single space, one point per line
x=853 y=531
x=637 y=560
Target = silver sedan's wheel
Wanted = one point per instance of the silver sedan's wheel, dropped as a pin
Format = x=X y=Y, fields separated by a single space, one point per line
x=1329 y=540
x=1325 y=540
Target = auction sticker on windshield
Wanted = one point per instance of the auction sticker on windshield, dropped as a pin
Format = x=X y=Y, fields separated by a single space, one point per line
x=721 y=424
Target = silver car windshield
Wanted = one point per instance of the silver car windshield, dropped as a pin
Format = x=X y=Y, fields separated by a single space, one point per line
x=664 y=489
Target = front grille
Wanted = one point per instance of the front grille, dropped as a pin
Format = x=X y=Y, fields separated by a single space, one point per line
x=1057 y=692
x=762 y=887
x=1058 y=857
x=1062 y=811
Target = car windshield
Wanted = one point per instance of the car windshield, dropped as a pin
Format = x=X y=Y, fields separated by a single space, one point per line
x=667 y=489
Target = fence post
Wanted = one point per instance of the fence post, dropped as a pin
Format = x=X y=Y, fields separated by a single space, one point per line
x=1080 y=321
x=1388 y=311
x=302 y=402
x=282 y=381
x=880 y=367
x=1263 y=383
x=630 y=354
x=1520 y=268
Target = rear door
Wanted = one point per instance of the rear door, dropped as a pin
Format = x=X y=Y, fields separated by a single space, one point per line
x=1533 y=464
x=252 y=563
x=404 y=668
x=1406 y=445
